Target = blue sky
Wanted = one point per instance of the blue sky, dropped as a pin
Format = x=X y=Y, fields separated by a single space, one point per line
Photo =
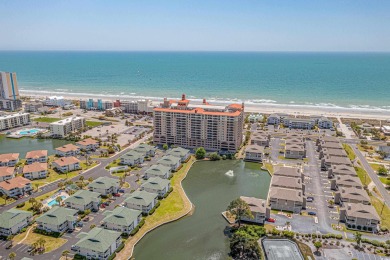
x=199 y=25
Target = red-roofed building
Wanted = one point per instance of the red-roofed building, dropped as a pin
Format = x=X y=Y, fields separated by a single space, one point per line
x=68 y=150
x=9 y=159
x=218 y=128
x=67 y=164
x=35 y=170
x=36 y=156
x=88 y=144
x=15 y=187
x=7 y=173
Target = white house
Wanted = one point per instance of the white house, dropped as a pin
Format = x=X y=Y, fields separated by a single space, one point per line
x=36 y=156
x=67 y=164
x=259 y=209
x=104 y=185
x=146 y=150
x=141 y=200
x=157 y=185
x=98 y=243
x=88 y=144
x=6 y=173
x=57 y=219
x=180 y=152
x=15 y=187
x=13 y=221
x=36 y=170
x=172 y=162
x=254 y=152
x=122 y=219
x=9 y=159
x=83 y=200
x=67 y=150
x=132 y=158
x=66 y=126
x=158 y=170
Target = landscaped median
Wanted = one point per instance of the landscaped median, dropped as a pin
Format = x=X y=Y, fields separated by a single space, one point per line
x=172 y=208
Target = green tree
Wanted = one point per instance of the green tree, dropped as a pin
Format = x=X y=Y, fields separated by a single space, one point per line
x=59 y=200
x=215 y=157
x=12 y=255
x=65 y=253
x=200 y=153
x=317 y=245
x=244 y=246
x=358 y=238
x=36 y=186
x=239 y=209
x=165 y=147
x=382 y=170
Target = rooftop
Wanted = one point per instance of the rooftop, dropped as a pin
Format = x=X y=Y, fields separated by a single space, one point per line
x=6 y=157
x=288 y=182
x=6 y=171
x=122 y=216
x=98 y=239
x=141 y=198
x=66 y=120
x=35 y=167
x=255 y=204
x=68 y=148
x=178 y=152
x=285 y=194
x=288 y=172
x=63 y=161
x=17 y=182
x=88 y=141
x=11 y=217
x=104 y=183
x=83 y=197
x=132 y=155
x=158 y=169
x=354 y=194
x=36 y=154
x=359 y=210
x=169 y=159
x=156 y=183
x=58 y=215
x=254 y=148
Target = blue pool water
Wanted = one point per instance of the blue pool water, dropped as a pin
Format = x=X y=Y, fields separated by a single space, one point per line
x=54 y=202
x=29 y=132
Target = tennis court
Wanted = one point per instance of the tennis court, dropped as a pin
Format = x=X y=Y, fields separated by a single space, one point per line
x=277 y=249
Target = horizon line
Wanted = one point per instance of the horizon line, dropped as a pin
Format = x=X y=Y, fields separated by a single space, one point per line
x=202 y=51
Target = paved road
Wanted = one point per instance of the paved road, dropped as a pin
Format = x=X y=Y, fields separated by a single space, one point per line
x=374 y=177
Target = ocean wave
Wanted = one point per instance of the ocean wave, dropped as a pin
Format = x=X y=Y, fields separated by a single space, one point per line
x=216 y=100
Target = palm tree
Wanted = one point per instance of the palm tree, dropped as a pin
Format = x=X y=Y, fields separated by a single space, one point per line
x=90 y=179
x=59 y=200
x=12 y=255
x=36 y=186
x=5 y=198
x=32 y=201
x=42 y=242
x=82 y=180
x=65 y=253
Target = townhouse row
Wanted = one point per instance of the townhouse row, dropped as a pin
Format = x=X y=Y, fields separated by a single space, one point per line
x=300 y=123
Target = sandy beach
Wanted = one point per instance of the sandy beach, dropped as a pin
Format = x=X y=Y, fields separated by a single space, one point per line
x=266 y=108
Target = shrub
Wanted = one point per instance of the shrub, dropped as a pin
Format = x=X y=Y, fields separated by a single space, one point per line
x=20 y=205
x=134 y=231
x=112 y=256
x=120 y=248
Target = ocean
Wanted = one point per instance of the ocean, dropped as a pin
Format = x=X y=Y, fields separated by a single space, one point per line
x=351 y=80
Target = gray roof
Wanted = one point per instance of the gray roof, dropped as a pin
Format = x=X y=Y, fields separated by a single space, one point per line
x=335 y=152
x=178 y=152
x=144 y=148
x=156 y=183
x=343 y=180
x=158 y=170
x=254 y=148
x=294 y=147
x=359 y=210
x=384 y=148
x=83 y=197
x=57 y=215
x=255 y=204
x=104 y=183
x=287 y=182
x=98 y=239
x=354 y=194
x=133 y=155
x=331 y=145
x=169 y=160
x=122 y=216
x=288 y=172
x=11 y=217
x=285 y=194
x=329 y=139
x=337 y=160
x=141 y=198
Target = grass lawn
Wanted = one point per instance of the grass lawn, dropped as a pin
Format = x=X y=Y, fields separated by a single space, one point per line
x=384 y=180
x=269 y=167
x=170 y=208
x=50 y=245
x=350 y=152
x=53 y=175
x=93 y=123
x=46 y=119
x=305 y=249
x=363 y=175
x=375 y=166
x=114 y=163
x=385 y=216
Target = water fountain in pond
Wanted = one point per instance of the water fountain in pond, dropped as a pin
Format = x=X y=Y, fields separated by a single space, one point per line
x=229 y=173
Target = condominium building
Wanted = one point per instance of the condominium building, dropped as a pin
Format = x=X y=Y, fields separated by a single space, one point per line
x=57 y=219
x=9 y=92
x=32 y=107
x=352 y=195
x=360 y=217
x=10 y=121
x=66 y=126
x=204 y=125
x=57 y=101
x=6 y=173
x=259 y=209
x=13 y=221
x=276 y=119
x=298 y=123
x=286 y=199
x=99 y=104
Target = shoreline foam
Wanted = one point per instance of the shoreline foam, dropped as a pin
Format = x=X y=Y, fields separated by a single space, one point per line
x=259 y=106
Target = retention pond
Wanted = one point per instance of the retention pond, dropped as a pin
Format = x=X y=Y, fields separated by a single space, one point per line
x=211 y=186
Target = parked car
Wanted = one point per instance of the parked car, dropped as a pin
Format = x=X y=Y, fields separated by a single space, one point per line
x=73 y=248
x=79 y=224
x=121 y=191
x=310 y=199
x=102 y=206
x=271 y=220
x=106 y=203
x=86 y=219
x=116 y=195
x=311 y=213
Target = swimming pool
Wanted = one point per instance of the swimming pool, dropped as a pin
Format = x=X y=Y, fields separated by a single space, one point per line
x=54 y=202
x=28 y=131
